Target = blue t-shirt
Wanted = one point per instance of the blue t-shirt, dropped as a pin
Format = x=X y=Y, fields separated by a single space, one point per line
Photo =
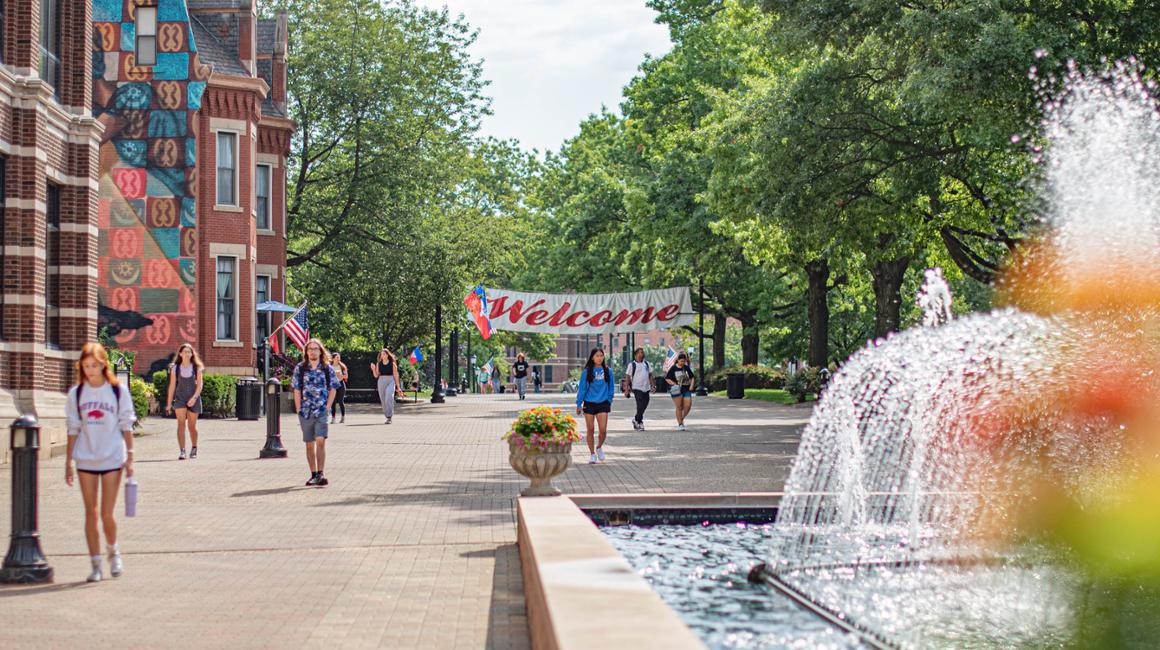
x=314 y=394
x=600 y=390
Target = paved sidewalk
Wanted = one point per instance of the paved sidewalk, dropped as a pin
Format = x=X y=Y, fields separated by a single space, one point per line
x=411 y=546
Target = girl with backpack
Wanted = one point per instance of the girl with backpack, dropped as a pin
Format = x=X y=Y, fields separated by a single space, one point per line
x=594 y=400
x=386 y=372
x=185 y=384
x=99 y=413
x=343 y=373
x=639 y=384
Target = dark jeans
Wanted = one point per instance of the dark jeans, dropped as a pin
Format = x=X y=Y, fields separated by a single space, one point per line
x=641 y=404
x=339 y=400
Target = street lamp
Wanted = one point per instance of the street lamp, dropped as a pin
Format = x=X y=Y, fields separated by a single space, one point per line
x=702 y=391
x=273 y=448
x=25 y=562
x=437 y=388
x=122 y=370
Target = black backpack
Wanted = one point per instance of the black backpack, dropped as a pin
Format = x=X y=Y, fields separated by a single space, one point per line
x=116 y=394
x=298 y=372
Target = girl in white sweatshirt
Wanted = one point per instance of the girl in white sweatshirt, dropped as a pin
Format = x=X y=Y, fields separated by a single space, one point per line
x=100 y=448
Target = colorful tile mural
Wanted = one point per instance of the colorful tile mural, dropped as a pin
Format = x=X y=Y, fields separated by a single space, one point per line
x=148 y=221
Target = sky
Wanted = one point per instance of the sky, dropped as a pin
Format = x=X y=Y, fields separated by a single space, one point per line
x=553 y=62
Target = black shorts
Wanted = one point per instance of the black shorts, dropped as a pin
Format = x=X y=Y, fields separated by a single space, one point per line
x=593 y=408
x=99 y=472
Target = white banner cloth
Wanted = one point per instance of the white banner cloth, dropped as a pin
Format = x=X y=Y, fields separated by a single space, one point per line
x=581 y=313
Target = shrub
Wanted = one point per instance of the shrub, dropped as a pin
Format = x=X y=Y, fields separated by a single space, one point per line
x=803 y=383
x=141 y=392
x=218 y=394
x=755 y=377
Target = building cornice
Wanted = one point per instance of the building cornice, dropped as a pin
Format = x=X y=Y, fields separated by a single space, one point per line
x=254 y=84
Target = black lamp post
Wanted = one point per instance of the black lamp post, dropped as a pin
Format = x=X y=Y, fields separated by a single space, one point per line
x=470 y=366
x=453 y=359
x=122 y=370
x=273 y=448
x=701 y=390
x=25 y=562
x=437 y=389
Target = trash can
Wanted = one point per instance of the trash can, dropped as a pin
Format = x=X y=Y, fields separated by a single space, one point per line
x=735 y=385
x=661 y=385
x=248 y=404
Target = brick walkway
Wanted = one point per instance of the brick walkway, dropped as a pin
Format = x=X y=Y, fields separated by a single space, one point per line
x=411 y=546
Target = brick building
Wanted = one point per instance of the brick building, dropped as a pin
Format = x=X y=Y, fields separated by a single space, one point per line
x=241 y=203
x=49 y=146
x=192 y=93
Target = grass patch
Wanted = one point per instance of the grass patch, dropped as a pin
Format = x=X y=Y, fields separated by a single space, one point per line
x=775 y=395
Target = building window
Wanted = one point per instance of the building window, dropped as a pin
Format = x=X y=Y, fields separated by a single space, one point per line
x=261 y=295
x=146 y=30
x=227 y=302
x=227 y=168
x=52 y=270
x=50 y=43
x=262 y=182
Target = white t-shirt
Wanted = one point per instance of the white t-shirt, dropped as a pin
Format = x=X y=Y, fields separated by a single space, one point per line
x=641 y=375
x=98 y=425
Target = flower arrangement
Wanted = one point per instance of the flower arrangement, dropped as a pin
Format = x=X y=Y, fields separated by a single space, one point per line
x=538 y=427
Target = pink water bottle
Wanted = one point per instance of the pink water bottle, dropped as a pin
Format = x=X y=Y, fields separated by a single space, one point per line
x=131 y=497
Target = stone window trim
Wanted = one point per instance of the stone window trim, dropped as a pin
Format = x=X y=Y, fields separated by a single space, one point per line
x=269 y=199
x=235 y=206
x=218 y=340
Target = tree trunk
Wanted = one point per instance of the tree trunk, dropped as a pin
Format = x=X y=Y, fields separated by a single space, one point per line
x=818 y=309
x=719 y=324
x=749 y=339
x=887 y=280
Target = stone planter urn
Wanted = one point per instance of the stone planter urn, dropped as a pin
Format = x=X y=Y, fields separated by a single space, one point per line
x=541 y=465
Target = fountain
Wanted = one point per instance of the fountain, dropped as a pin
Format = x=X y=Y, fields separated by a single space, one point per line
x=914 y=513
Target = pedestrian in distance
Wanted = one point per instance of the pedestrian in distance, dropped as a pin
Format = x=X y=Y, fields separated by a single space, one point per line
x=484 y=381
x=639 y=385
x=99 y=415
x=537 y=381
x=520 y=374
x=184 y=397
x=681 y=381
x=594 y=400
x=386 y=372
x=343 y=374
x=315 y=384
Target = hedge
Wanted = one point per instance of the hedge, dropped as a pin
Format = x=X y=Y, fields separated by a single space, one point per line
x=755 y=377
x=218 y=393
x=803 y=383
x=140 y=392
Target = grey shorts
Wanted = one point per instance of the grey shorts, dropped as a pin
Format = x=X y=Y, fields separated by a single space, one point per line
x=313 y=427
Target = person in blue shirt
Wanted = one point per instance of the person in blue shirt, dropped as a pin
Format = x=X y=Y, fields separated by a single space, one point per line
x=594 y=400
x=315 y=384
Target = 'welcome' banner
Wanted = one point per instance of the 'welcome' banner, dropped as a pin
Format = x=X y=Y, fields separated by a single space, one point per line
x=555 y=313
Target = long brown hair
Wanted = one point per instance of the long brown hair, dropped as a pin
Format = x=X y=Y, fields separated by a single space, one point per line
x=194 y=358
x=98 y=352
x=323 y=357
x=390 y=355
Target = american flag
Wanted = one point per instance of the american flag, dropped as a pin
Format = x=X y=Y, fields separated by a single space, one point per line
x=670 y=358
x=298 y=329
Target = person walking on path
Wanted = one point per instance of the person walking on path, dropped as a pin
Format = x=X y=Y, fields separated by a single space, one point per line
x=343 y=374
x=639 y=385
x=184 y=399
x=594 y=400
x=484 y=381
x=315 y=384
x=520 y=373
x=537 y=381
x=386 y=372
x=681 y=380
x=100 y=416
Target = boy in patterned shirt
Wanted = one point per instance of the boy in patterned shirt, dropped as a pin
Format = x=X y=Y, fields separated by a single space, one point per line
x=315 y=384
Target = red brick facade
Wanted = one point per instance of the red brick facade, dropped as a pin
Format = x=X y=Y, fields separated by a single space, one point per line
x=246 y=99
x=49 y=143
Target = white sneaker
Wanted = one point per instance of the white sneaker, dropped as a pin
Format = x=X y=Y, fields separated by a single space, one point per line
x=592 y=460
x=332 y=419
x=600 y=454
x=680 y=427
x=635 y=425
x=116 y=566
x=95 y=576
x=642 y=425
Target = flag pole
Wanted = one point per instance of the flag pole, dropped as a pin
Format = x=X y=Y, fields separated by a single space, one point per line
x=287 y=320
